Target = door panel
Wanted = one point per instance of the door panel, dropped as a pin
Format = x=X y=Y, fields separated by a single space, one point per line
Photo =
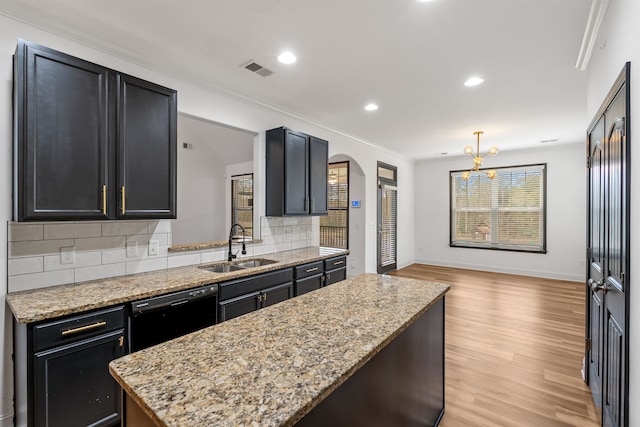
x=296 y=165
x=608 y=255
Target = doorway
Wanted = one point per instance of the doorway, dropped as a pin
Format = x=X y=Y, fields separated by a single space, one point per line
x=387 y=217
x=608 y=258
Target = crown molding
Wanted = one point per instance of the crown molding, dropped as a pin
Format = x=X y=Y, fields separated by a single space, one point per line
x=592 y=30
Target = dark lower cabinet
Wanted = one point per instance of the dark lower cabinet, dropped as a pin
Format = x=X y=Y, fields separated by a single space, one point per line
x=242 y=296
x=73 y=386
x=244 y=304
x=334 y=276
x=309 y=284
x=61 y=370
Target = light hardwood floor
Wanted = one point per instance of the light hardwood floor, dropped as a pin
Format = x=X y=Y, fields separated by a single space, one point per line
x=513 y=350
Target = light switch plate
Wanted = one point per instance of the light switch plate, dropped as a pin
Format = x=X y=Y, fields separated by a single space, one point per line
x=68 y=255
x=153 y=248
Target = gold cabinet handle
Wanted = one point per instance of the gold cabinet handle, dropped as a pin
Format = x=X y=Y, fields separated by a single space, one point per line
x=122 y=208
x=104 y=200
x=338 y=262
x=121 y=341
x=83 y=328
x=311 y=270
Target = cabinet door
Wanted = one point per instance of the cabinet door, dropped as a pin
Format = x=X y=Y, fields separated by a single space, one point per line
x=238 y=306
x=335 y=276
x=61 y=153
x=73 y=386
x=318 y=170
x=296 y=184
x=146 y=145
x=307 y=285
x=277 y=294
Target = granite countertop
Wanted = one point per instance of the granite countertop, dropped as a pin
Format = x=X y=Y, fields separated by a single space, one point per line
x=47 y=303
x=272 y=366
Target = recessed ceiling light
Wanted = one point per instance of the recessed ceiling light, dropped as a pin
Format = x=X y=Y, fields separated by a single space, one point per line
x=287 y=58
x=474 y=81
x=371 y=107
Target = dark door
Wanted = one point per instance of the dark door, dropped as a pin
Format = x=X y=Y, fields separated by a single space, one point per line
x=296 y=164
x=609 y=208
x=73 y=386
x=308 y=284
x=318 y=172
x=62 y=141
x=146 y=186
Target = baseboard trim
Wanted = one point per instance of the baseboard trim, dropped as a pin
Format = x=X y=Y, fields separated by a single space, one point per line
x=493 y=269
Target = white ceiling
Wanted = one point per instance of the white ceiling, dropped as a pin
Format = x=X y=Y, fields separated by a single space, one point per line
x=409 y=57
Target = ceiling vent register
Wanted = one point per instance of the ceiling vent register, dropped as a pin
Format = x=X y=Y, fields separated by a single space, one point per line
x=258 y=69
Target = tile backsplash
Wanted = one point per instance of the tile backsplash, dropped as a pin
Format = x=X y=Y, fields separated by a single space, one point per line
x=116 y=248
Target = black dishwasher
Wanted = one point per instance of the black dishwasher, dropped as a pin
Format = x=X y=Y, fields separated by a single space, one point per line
x=158 y=319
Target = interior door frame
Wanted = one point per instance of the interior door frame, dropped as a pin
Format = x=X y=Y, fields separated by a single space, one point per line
x=621 y=83
x=382 y=181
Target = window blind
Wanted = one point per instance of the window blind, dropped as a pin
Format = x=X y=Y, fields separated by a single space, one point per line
x=334 y=227
x=388 y=225
x=242 y=202
x=507 y=212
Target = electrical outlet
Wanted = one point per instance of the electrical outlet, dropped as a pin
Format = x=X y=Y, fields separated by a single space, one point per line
x=287 y=235
x=132 y=249
x=308 y=234
x=153 y=248
x=68 y=255
x=353 y=264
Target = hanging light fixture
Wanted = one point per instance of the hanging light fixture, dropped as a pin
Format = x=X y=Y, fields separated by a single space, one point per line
x=478 y=159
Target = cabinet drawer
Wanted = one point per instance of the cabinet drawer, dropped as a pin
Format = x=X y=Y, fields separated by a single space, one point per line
x=239 y=287
x=310 y=269
x=77 y=327
x=337 y=262
x=334 y=276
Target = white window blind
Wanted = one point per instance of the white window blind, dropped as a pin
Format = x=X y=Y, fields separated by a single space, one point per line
x=388 y=225
x=507 y=212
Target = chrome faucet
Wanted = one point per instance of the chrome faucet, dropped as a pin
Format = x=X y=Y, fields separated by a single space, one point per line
x=244 y=248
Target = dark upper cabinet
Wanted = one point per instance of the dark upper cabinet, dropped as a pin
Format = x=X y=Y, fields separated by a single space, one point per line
x=296 y=173
x=61 y=108
x=82 y=132
x=146 y=147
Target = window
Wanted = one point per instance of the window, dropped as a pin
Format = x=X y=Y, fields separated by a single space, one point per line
x=334 y=228
x=508 y=212
x=242 y=202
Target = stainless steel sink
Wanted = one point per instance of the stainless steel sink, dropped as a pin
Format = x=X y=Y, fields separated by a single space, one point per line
x=249 y=263
x=243 y=264
x=222 y=268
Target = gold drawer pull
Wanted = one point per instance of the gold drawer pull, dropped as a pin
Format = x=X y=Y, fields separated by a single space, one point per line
x=83 y=328
x=311 y=270
x=338 y=262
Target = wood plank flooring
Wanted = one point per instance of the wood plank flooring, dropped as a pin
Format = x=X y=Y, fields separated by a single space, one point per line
x=513 y=350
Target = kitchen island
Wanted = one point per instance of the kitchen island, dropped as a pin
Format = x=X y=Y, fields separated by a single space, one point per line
x=369 y=349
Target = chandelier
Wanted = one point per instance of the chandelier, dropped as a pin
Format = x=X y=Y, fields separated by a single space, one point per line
x=478 y=159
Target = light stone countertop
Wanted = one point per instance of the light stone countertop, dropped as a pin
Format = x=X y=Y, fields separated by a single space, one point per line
x=48 y=303
x=272 y=366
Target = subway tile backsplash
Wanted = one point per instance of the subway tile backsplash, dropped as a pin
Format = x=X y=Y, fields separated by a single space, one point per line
x=116 y=248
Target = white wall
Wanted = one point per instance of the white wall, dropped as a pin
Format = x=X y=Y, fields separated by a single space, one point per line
x=618 y=43
x=199 y=102
x=566 y=171
x=357 y=225
x=200 y=193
